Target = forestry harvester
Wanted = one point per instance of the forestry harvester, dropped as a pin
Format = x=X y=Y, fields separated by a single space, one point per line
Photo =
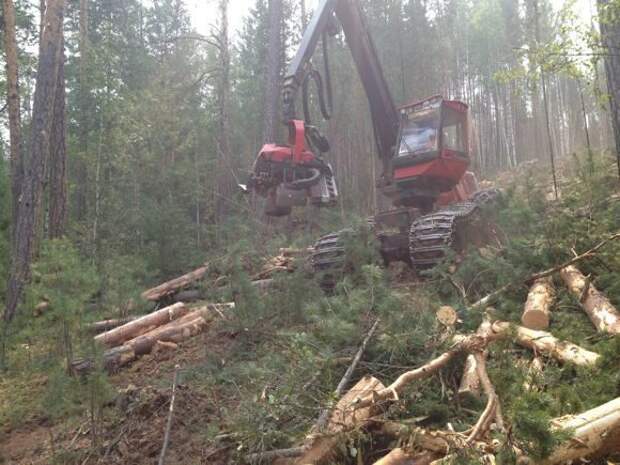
x=424 y=149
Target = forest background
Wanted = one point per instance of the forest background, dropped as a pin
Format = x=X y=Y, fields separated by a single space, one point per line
x=157 y=123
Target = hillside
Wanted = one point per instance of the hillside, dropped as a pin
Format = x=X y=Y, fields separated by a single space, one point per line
x=260 y=375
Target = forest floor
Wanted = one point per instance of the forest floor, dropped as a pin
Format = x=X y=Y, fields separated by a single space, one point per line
x=257 y=383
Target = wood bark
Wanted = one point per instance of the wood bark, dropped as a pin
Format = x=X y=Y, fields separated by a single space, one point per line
x=400 y=456
x=470 y=383
x=546 y=344
x=603 y=315
x=174 y=285
x=344 y=417
x=34 y=174
x=12 y=96
x=107 y=325
x=142 y=325
x=596 y=431
x=81 y=167
x=609 y=14
x=538 y=305
x=57 y=186
x=272 y=79
x=176 y=331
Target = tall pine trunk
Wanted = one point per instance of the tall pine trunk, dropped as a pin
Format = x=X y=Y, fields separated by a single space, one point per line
x=57 y=185
x=10 y=48
x=34 y=172
x=609 y=13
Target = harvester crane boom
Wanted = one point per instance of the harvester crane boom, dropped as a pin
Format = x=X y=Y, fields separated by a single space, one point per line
x=385 y=116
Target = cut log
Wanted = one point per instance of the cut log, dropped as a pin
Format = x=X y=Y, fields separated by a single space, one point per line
x=534 y=372
x=179 y=330
x=602 y=313
x=470 y=383
x=546 y=344
x=447 y=316
x=344 y=417
x=173 y=332
x=538 y=305
x=107 y=325
x=595 y=432
x=142 y=325
x=174 y=285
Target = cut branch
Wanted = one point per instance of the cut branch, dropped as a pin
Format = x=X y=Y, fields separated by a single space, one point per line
x=164 y=448
x=346 y=378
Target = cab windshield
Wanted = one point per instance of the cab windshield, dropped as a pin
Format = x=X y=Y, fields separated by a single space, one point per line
x=419 y=132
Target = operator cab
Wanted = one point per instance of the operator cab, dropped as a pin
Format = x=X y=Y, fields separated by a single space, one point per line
x=433 y=149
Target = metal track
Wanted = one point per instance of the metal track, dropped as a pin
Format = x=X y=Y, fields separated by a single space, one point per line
x=432 y=236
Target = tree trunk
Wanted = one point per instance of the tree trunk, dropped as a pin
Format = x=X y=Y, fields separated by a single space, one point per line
x=174 y=285
x=142 y=325
x=602 y=313
x=538 y=304
x=47 y=72
x=58 y=159
x=272 y=81
x=546 y=344
x=81 y=167
x=344 y=417
x=10 y=48
x=594 y=432
x=222 y=137
x=609 y=13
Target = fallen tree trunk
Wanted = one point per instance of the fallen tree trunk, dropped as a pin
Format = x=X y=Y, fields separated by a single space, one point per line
x=107 y=325
x=174 y=285
x=602 y=313
x=344 y=417
x=546 y=344
x=141 y=325
x=538 y=305
x=595 y=432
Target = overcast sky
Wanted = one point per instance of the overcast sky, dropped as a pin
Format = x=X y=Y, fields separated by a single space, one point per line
x=204 y=12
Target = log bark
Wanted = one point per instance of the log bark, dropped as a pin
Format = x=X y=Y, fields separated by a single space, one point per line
x=538 y=305
x=142 y=325
x=602 y=313
x=12 y=96
x=107 y=325
x=345 y=416
x=174 y=285
x=34 y=165
x=175 y=331
x=400 y=456
x=595 y=432
x=546 y=344
x=470 y=383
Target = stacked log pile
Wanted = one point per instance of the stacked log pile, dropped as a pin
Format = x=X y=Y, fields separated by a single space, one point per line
x=140 y=336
